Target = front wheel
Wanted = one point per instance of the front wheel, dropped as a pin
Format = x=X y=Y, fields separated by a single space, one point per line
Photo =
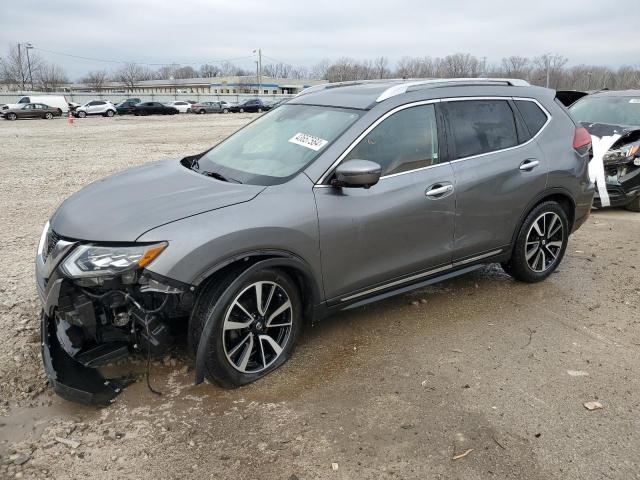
x=226 y=110
x=110 y=113
x=241 y=110
x=82 y=114
x=11 y=116
x=255 y=333
x=540 y=244
x=634 y=205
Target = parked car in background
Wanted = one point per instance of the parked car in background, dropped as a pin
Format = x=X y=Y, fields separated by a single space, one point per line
x=346 y=195
x=226 y=105
x=55 y=101
x=209 y=107
x=153 y=108
x=615 y=113
x=73 y=106
x=181 y=105
x=31 y=110
x=125 y=107
x=95 y=107
x=255 y=105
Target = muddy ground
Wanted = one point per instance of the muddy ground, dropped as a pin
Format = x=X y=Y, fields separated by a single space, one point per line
x=479 y=365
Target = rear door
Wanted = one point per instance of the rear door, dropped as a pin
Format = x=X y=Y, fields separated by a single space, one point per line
x=499 y=169
x=398 y=230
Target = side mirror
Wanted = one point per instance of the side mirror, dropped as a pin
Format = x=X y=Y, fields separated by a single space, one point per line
x=357 y=174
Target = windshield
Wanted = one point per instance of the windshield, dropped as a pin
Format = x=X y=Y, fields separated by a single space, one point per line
x=606 y=109
x=278 y=144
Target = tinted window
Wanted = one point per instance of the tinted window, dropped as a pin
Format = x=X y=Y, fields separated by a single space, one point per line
x=405 y=141
x=480 y=126
x=24 y=100
x=532 y=114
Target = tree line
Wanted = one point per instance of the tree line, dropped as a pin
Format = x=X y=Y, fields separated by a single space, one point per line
x=23 y=70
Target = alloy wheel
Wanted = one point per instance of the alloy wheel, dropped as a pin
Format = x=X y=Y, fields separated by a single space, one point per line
x=257 y=327
x=544 y=242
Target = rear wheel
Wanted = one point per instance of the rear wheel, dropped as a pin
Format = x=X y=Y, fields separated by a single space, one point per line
x=540 y=244
x=634 y=205
x=48 y=115
x=256 y=331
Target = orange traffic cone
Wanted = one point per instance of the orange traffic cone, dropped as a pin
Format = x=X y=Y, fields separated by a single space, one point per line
x=70 y=120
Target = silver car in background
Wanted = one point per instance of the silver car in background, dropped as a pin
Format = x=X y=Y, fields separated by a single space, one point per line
x=345 y=195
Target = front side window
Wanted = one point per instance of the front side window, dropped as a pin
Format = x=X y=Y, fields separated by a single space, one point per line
x=407 y=140
x=277 y=145
x=480 y=126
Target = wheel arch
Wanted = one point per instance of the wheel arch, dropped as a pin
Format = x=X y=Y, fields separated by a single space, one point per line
x=559 y=195
x=296 y=267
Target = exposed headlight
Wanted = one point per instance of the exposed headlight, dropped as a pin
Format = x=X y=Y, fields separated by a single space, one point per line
x=43 y=238
x=100 y=261
x=622 y=155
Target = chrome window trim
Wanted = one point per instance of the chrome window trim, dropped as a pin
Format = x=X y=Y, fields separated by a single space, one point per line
x=423 y=274
x=323 y=178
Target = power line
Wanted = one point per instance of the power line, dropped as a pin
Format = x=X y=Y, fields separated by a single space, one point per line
x=94 y=59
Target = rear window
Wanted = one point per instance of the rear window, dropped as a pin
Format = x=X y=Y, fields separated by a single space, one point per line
x=480 y=126
x=532 y=114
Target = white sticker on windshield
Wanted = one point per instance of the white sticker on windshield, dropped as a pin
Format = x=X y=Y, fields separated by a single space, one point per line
x=309 y=141
x=634 y=100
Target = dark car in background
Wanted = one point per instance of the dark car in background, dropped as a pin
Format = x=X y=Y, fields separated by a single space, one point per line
x=153 y=108
x=31 y=110
x=126 y=107
x=255 y=105
x=209 y=107
x=614 y=116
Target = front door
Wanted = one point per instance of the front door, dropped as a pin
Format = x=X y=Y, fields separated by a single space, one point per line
x=401 y=228
x=499 y=169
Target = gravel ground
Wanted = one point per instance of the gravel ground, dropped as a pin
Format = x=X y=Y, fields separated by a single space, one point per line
x=479 y=365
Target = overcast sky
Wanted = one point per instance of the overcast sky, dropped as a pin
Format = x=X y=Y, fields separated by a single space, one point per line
x=305 y=32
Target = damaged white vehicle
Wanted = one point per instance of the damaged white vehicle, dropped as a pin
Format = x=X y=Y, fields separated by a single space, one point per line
x=613 y=120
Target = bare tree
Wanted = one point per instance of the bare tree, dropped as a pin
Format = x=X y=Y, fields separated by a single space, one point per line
x=51 y=78
x=548 y=69
x=185 y=72
x=381 y=67
x=459 y=65
x=208 y=71
x=166 y=72
x=132 y=73
x=96 y=80
x=17 y=66
x=516 y=67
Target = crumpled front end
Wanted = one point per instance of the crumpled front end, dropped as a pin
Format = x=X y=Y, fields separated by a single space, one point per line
x=620 y=162
x=91 y=318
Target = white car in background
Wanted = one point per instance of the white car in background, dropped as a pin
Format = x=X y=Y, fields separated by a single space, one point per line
x=54 y=101
x=95 y=107
x=180 y=105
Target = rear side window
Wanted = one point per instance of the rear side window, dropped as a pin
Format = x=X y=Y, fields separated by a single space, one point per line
x=480 y=126
x=407 y=140
x=532 y=114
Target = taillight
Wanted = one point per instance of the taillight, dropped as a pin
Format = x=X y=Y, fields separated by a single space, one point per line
x=582 y=141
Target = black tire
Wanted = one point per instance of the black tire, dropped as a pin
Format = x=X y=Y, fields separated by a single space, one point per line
x=218 y=368
x=241 y=110
x=201 y=111
x=82 y=114
x=11 y=116
x=634 y=205
x=110 y=113
x=48 y=116
x=226 y=110
x=260 y=110
x=518 y=266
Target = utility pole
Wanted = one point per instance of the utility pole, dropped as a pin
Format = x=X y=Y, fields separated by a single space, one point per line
x=28 y=47
x=259 y=69
x=20 y=62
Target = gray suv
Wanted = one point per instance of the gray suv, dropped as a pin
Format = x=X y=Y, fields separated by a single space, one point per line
x=347 y=194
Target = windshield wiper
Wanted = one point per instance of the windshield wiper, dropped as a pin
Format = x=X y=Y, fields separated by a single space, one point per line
x=219 y=176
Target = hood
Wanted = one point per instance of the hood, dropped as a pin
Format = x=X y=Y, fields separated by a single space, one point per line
x=123 y=206
x=628 y=133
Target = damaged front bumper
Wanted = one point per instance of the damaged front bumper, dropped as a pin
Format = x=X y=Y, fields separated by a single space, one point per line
x=87 y=327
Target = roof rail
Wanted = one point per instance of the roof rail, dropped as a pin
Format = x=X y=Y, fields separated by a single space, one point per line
x=346 y=83
x=408 y=85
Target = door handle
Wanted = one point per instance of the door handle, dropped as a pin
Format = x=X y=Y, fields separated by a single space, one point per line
x=529 y=164
x=439 y=189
